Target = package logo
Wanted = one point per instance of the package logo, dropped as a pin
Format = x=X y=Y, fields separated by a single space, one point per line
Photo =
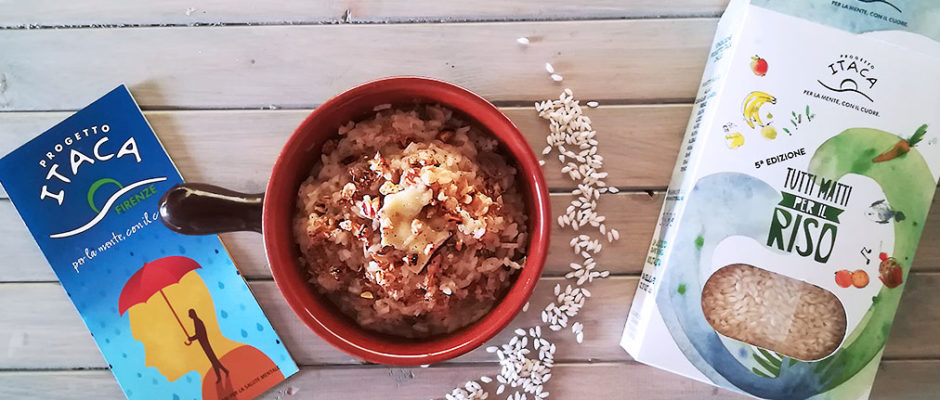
x=851 y=74
x=66 y=161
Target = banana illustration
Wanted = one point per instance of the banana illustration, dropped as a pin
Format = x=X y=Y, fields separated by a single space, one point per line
x=752 y=105
x=735 y=140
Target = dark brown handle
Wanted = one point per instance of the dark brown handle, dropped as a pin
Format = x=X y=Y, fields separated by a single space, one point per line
x=201 y=209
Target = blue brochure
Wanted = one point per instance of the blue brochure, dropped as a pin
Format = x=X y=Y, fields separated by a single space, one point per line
x=170 y=313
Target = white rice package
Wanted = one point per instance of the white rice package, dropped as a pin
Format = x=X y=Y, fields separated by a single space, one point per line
x=798 y=199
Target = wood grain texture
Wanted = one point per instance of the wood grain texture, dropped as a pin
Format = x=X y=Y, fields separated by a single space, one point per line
x=896 y=380
x=185 y=12
x=273 y=63
x=569 y=381
x=633 y=214
x=238 y=148
x=42 y=330
x=639 y=144
x=301 y=66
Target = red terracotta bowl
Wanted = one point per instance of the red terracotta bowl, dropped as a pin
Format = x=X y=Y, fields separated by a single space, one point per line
x=201 y=209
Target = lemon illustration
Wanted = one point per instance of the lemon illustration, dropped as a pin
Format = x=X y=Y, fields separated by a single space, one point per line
x=735 y=140
x=769 y=132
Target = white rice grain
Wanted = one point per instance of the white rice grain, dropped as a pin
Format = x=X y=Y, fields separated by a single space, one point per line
x=526 y=365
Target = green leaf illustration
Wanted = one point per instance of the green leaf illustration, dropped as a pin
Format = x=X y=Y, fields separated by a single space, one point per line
x=770 y=362
x=775 y=371
x=770 y=357
x=761 y=373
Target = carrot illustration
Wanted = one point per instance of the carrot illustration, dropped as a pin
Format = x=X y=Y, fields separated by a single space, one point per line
x=902 y=147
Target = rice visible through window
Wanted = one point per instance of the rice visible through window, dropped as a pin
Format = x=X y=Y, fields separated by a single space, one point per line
x=775 y=312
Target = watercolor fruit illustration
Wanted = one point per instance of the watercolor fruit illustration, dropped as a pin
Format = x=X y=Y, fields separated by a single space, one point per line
x=890 y=271
x=752 y=105
x=769 y=132
x=859 y=278
x=844 y=278
x=759 y=66
x=735 y=140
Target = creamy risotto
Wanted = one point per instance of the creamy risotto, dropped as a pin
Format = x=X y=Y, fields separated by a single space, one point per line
x=412 y=222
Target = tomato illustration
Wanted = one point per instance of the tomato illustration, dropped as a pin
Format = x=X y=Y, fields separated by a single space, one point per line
x=844 y=278
x=759 y=66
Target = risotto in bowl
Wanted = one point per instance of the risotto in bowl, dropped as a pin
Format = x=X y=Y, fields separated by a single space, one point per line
x=406 y=220
x=412 y=222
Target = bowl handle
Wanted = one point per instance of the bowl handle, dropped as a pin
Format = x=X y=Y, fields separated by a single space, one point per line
x=202 y=209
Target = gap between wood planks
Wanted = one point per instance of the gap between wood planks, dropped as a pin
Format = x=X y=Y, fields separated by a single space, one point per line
x=365 y=21
x=116 y=13
x=612 y=102
x=622 y=189
x=553 y=276
x=471 y=364
x=41 y=14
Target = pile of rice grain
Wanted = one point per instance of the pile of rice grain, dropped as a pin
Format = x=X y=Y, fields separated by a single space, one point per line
x=524 y=370
x=778 y=313
x=412 y=223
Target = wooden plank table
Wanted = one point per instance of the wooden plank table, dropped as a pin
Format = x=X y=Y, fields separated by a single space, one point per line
x=224 y=82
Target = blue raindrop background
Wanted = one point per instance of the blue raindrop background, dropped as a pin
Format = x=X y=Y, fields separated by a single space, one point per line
x=240 y=317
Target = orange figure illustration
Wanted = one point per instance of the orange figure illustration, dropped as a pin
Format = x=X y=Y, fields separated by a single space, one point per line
x=229 y=369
